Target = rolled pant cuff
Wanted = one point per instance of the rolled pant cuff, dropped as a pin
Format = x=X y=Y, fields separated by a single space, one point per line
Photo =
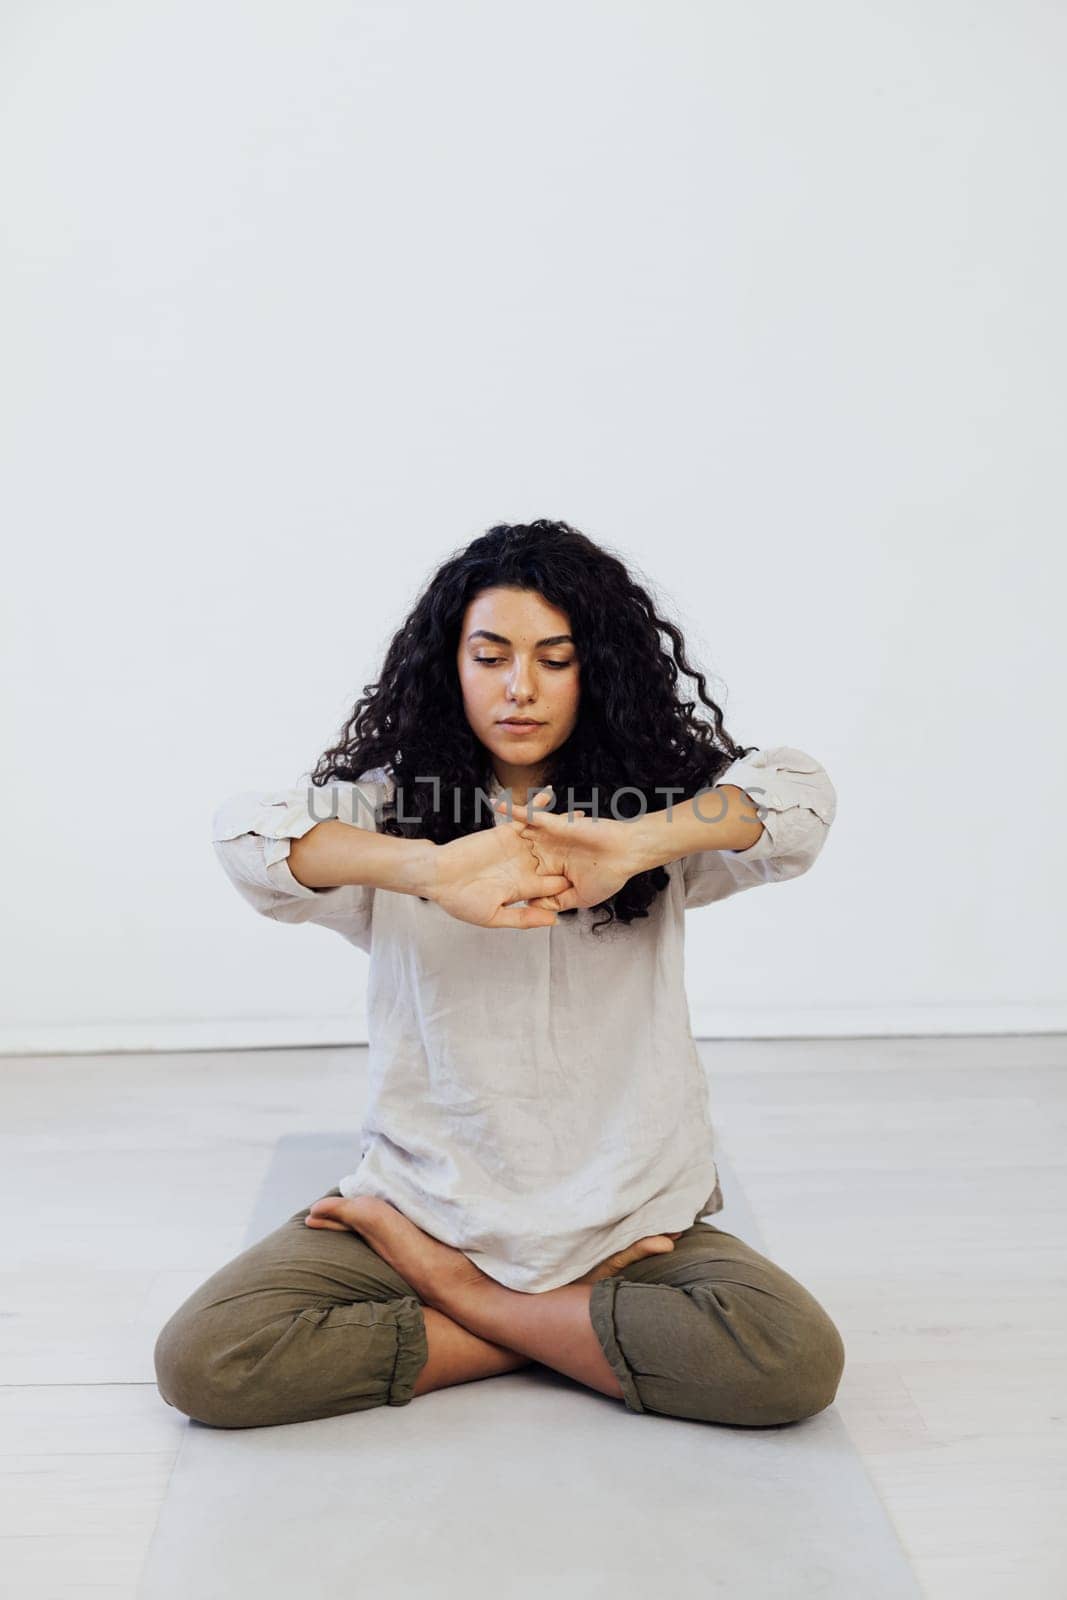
x=412 y=1350
x=602 y=1316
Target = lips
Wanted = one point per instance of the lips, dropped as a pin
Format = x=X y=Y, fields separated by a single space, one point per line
x=519 y=722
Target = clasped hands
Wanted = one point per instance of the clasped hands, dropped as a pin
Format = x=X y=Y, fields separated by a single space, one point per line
x=553 y=862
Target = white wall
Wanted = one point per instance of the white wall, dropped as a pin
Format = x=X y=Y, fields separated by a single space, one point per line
x=297 y=300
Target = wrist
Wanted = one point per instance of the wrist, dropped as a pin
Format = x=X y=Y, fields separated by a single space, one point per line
x=423 y=869
x=722 y=817
x=645 y=842
x=427 y=868
x=623 y=844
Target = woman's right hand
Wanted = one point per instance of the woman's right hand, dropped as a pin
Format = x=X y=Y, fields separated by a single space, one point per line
x=476 y=876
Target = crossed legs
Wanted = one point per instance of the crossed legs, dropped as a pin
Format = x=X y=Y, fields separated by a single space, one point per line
x=317 y=1319
x=553 y=1328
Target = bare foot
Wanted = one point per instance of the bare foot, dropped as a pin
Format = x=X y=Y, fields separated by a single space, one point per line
x=415 y=1253
x=435 y=1271
x=654 y=1244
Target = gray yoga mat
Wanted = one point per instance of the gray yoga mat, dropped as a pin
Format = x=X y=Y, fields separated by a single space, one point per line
x=517 y=1486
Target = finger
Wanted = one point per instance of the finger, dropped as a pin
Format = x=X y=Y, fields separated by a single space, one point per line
x=536 y=885
x=534 y=816
x=523 y=917
x=521 y=817
x=519 y=813
x=548 y=825
x=538 y=797
x=566 y=900
x=539 y=800
x=546 y=819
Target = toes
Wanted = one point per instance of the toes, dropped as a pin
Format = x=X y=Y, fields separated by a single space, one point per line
x=322 y=1214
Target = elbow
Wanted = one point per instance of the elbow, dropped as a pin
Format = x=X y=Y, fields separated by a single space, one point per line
x=233 y=857
x=799 y=843
x=796 y=802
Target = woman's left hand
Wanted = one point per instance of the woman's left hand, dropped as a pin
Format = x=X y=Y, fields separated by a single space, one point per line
x=595 y=853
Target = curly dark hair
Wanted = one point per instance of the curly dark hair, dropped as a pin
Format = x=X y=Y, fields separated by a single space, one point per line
x=633 y=732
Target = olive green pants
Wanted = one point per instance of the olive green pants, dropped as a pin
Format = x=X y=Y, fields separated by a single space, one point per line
x=311 y=1322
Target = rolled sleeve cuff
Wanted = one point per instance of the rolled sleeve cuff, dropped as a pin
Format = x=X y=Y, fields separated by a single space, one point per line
x=277 y=818
x=602 y=1316
x=279 y=873
x=785 y=785
x=412 y=1350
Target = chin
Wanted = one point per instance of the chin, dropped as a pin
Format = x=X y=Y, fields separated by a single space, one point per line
x=507 y=745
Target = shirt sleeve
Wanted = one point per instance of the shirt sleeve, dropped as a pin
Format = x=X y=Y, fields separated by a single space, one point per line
x=795 y=801
x=251 y=833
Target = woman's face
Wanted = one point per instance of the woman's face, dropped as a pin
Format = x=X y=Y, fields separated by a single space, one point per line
x=516 y=658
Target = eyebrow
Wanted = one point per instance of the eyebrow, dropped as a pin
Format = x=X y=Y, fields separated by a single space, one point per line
x=498 y=638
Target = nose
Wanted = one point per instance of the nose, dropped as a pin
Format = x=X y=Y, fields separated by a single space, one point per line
x=520 y=684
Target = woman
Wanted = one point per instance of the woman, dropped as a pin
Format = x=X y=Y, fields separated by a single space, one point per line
x=537 y=1149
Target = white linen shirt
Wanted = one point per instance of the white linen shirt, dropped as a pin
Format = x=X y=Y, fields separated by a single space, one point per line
x=536 y=1098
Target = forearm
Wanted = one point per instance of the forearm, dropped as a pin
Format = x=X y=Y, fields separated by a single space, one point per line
x=334 y=852
x=723 y=818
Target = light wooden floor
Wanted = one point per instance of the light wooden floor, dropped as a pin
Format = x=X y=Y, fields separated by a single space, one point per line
x=917 y=1186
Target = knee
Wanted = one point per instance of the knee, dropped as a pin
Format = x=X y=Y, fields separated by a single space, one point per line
x=193 y=1375
x=783 y=1359
x=754 y=1354
x=804 y=1377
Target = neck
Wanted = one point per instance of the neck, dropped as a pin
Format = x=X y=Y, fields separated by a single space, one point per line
x=523 y=781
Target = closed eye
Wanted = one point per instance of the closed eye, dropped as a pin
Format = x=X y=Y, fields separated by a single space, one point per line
x=494 y=661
